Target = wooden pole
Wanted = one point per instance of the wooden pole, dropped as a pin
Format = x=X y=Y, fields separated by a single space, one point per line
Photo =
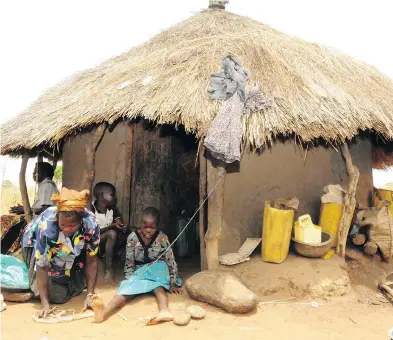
x=215 y=211
x=127 y=187
x=23 y=188
x=54 y=163
x=90 y=155
x=202 y=212
x=349 y=201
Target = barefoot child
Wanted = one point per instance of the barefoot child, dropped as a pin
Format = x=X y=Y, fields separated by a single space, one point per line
x=110 y=222
x=142 y=274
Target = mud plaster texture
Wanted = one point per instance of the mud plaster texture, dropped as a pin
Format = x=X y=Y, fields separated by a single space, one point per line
x=295 y=277
x=144 y=179
x=111 y=163
x=282 y=171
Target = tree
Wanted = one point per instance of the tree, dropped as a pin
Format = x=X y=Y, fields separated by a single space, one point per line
x=58 y=177
x=7 y=184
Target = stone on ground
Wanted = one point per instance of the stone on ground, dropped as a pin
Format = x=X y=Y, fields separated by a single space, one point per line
x=182 y=319
x=222 y=289
x=196 y=312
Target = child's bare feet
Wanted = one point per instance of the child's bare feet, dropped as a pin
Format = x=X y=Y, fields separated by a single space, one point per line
x=162 y=316
x=99 y=309
x=108 y=277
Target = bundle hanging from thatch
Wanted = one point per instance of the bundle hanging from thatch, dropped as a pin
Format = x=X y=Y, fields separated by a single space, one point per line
x=316 y=92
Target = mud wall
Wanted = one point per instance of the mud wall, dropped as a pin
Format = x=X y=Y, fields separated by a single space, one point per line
x=113 y=163
x=284 y=171
x=138 y=160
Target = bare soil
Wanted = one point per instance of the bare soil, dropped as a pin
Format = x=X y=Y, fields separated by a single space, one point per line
x=362 y=313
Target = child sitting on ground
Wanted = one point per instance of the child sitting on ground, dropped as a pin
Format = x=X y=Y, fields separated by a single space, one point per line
x=150 y=268
x=113 y=231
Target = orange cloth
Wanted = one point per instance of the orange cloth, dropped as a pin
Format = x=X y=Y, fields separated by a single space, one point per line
x=71 y=200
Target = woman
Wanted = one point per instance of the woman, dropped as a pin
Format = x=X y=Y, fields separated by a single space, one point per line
x=55 y=246
x=150 y=267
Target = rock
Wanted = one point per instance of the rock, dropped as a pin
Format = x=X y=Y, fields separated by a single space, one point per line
x=182 y=319
x=196 y=312
x=222 y=289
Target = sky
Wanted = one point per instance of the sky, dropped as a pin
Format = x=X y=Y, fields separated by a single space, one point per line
x=45 y=41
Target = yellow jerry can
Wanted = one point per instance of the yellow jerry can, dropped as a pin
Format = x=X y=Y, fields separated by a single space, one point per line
x=276 y=233
x=306 y=231
x=329 y=219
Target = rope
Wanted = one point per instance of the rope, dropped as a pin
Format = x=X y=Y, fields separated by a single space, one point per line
x=186 y=226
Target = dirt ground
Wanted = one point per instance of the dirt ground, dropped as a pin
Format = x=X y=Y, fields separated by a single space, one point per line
x=362 y=313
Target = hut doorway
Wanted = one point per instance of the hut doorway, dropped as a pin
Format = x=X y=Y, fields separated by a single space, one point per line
x=165 y=174
x=185 y=184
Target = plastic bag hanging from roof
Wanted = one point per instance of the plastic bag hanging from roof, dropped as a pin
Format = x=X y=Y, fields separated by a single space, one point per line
x=231 y=79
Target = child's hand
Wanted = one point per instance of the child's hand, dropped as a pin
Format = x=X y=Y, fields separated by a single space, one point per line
x=121 y=227
x=174 y=289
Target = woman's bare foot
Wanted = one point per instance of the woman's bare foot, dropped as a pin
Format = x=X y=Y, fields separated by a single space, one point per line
x=163 y=316
x=99 y=309
x=17 y=297
x=108 y=277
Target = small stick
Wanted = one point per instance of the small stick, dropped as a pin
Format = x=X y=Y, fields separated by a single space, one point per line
x=122 y=316
x=352 y=320
x=276 y=301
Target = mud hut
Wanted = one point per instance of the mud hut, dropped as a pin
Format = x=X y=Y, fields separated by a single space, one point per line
x=126 y=122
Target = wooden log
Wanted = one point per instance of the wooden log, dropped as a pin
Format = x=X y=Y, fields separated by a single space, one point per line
x=90 y=154
x=349 y=201
x=23 y=188
x=370 y=248
x=202 y=212
x=359 y=239
x=215 y=173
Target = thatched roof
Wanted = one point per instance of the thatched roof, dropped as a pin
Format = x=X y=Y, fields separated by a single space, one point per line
x=317 y=92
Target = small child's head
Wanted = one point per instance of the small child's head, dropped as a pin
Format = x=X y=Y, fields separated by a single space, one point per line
x=105 y=193
x=43 y=170
x=150 y=222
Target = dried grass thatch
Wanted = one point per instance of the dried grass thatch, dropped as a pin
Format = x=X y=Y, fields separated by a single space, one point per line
x=317 y=92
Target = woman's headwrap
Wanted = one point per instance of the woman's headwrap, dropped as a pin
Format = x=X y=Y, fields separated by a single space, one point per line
x=71 y=200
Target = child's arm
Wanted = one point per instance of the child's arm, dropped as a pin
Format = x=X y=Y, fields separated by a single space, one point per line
x=129 y=266
x=172 y=265
x=117 y=220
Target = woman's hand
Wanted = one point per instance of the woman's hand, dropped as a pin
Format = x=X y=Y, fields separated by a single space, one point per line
x=174 y=289
x=88 y=301
x=44 y=312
